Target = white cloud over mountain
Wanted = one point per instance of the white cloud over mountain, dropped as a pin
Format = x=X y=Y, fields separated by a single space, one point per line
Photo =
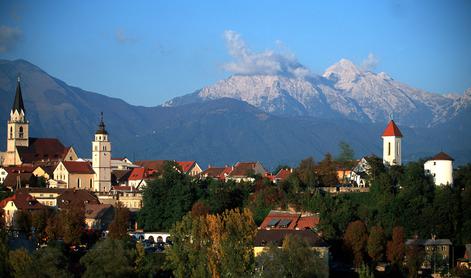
x=268 y=62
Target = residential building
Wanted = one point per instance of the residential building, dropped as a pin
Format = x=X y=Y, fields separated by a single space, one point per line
x=121 y=163
x=20 y=201
x=440 y=167
x=282 y=175
x=289 y=220
x=436 y=253
x=190 y=168
x=245 y=171
x=392 y=148
x=98 y=216
x=71 y=198
x=46 y=196
x=73 y=174
x=217 y=173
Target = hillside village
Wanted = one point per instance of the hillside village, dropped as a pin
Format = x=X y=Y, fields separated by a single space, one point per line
x=39 y=173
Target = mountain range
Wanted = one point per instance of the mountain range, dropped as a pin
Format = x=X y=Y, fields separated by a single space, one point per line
x=272 y=118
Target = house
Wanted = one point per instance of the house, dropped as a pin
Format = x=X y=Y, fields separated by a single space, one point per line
x=289 y=220
x=190 y=168
x=156 y=165
x=282 y=175
x=46 y=171
x=20 y=201
x=16 y=180
x=265 y=238
x=120 y=177
x=73 y=174
x=139 y=177
x=3 y=174
x=436 y=253
x=216 y=173
x=245 y=171
x=440 y=167
x=344 y=175
x=121 y=163
x=46 y=196
x=98 y=216
x=361 y=171
x=75 y=197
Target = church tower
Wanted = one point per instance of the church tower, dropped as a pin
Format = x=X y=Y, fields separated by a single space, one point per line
x=392 y=148
x=17 y=128
x=101 y=159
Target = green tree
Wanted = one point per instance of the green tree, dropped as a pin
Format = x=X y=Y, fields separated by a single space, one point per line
x=21 y=263
x=365 y=272
x=376 y=243
x=119 y=226
x=148 y=265
x=346 y=155
x=355 y=240
x=295 y=259
x=50 y=262
x=39 y=222
x=109 y=258
x=167 y=199
x=4 y=269
x=22 y=221
x=306 y=172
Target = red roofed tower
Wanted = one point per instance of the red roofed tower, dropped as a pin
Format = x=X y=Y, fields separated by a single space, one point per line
x=392 y=148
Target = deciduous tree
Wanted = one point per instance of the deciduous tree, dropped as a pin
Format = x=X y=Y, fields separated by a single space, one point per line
x=119 y=226
x=396 y=247
x=376 y=243
x=355 y=239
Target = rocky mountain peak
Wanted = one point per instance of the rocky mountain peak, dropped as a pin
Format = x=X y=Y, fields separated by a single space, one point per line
x=343 y=71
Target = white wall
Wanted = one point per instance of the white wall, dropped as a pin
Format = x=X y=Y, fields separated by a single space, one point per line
x=441 y=170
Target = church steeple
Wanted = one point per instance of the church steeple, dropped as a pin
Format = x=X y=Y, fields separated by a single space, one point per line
x=18 y=103
x=101 y=126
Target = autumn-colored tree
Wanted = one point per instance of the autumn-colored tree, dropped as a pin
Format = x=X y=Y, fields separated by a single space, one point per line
x=199 y=209
x=72 y=221
x=414 y=259
x=39 y=220
x=396 y=247
x=21 y=263
x=53 y=228
x=119 y=227
x=213 y=245
x=306 y=173
x=355 y=239
x=327 y=171
x=376 y=243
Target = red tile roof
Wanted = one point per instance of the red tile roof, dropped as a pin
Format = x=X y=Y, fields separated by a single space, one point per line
x=76 y=197
x=157 y=165
x=283 y=174
x=442 y=156
x=21 y=169
x=138 y=174
x=186 y=165
x=78 y=167
x=22 y=201
x=243 y=169
x=307 y=222
x=217 y=172
x=42 y=149
x=392 y=130
x=297 y=221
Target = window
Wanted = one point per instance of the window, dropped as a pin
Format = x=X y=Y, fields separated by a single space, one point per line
x=21 y=132
x=96 y=148
x=389 y=148
x=78 y=182
x=397 y=148
x=434 y=163
x=11 y=132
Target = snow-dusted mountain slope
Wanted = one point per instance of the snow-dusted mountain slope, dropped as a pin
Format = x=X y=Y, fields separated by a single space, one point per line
x=343 y=90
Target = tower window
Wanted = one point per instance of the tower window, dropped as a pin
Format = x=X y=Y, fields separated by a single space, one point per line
x=78 y=183
x=397 y=148
x=389 y=148
x=21 y=132
x=11 y=132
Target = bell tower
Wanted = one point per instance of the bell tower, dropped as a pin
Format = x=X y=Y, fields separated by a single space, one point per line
x=101 y=159
x=17 y=127
x=392 y=149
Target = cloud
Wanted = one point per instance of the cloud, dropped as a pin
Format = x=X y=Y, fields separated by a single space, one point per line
x=370 y=63
x=269 y=62
x=123 y=38
x=9 y=37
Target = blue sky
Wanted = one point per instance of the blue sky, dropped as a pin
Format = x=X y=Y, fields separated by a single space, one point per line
x=146 y=52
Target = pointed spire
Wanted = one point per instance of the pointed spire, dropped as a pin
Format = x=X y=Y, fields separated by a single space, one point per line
x=101 y=126
x=18 y=103
x=392 y=130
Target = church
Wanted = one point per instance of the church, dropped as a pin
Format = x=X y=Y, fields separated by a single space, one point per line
x=68 y=171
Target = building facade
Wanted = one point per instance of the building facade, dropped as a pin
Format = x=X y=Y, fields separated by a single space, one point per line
x=392 y=148
x=101 y=159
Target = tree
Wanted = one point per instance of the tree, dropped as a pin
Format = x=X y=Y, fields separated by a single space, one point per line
x=355 y=239
x=295 y=259
x=109 y=258
x=50 y=262
x=327 y=171
x=72 y=222
x=414 y=260
x=167 y=199
x=365 y=272
x=4 y=269
x=39 y=220
x=21 y=263
x=53 y=228
x=199 y=209
x=119 y=226
x=22 y=221
x=306 y=173
x=376 y=243
x=396 y=247
x=149 y=265
x=346 y=155
x=213 y=245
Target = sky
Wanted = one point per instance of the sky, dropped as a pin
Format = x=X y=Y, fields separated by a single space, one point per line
x=147 y=52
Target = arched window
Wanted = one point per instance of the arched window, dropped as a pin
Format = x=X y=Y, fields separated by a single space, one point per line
x=21 y=132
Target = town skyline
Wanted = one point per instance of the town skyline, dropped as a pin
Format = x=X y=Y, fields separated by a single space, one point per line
x=163 y=51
